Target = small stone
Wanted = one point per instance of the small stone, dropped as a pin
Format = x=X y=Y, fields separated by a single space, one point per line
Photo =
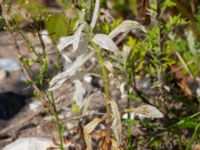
x=35 y=105
x=9 y=65
x=36 y=143
x=87 y=78
x=31 y=143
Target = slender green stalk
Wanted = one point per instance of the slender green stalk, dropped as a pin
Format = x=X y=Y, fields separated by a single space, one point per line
x=130 y=75
x=31 y=48
x=42 y=93
x=194 y=135
x=52 y=99
x=57 y=120
x=129 y=127
x=42 y=44
x=128 y=106
x=107 y=95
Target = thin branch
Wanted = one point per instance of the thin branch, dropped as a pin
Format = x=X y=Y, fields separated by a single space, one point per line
x=184 y=64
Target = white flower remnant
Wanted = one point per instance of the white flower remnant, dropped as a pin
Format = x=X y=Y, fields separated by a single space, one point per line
x=77 y=36
x=80 y=41
x=59 y=79
x=79 y=93
x=126 y=26
x=95 y=14
x=144 y=111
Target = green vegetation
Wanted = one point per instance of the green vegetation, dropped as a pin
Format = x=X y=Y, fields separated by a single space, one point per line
x=154 y=43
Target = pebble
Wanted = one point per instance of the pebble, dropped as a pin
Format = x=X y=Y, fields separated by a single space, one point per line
x=35 y=105
x=32 y=143
x=9 y=65
x=37 y=143
x=87 y=78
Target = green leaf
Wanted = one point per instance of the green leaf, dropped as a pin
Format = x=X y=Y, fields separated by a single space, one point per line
x=75 y=108
x=169 y=3
x=194 y=135
x=105 y=42
x=186 y=123
x=126 y=26
x=57 y=26
x=133 y=6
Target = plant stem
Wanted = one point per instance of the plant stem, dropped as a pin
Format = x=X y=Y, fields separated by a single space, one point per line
x=128 y=106
x=42 y=44
x=107 y=95
x=129 y=70
x=129 y=133
x=58 y=124
x=129 y=123
x=194 y=136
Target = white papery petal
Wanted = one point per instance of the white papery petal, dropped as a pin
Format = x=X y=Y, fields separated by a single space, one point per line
x=116 y=122
x=79 y=93
x=88 y=129
x=105 y=42
x=77 y=36
x=150 y=111
x=95 y=14
x=126 y=26
x=191 y=42
x=64 y=42
x=59 y=79
x=83 y=44
x=145 y=111
x=46 y=38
